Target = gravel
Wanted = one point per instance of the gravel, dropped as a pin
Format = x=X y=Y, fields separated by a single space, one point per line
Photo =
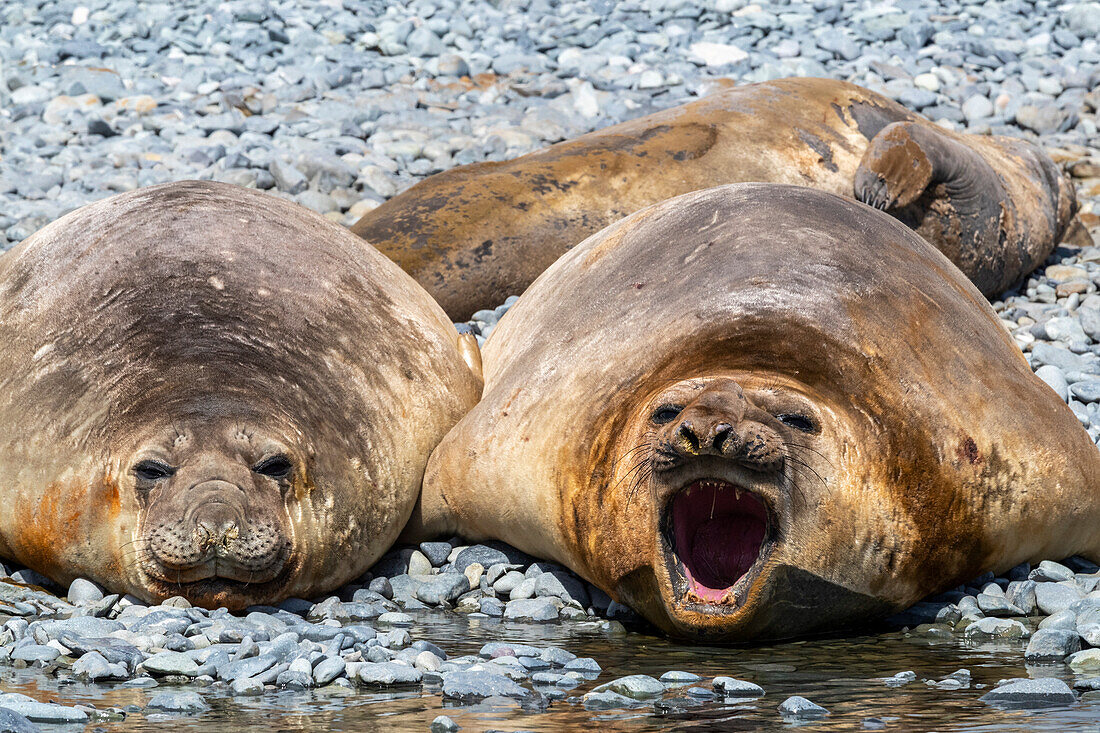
x=342 y=105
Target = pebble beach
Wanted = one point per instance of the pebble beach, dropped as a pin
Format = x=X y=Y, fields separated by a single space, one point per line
x=339 y=105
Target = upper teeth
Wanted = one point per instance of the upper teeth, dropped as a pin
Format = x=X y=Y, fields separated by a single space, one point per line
x=714 y=486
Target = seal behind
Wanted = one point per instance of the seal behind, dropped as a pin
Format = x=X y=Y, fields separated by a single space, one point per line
x=211 y=392
x=478 y=233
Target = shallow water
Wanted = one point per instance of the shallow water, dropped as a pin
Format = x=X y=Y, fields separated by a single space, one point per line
x=844 y=675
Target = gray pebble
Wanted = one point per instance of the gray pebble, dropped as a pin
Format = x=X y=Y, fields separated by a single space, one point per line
x=1027 y=693
x=1052 y=645
x=476 y=685
x=731 y=687
x=802 y=709
x=188 y=702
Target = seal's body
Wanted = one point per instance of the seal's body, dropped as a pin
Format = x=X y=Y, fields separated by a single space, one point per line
x=474 y=235
x=759 y=411
x=210 y=392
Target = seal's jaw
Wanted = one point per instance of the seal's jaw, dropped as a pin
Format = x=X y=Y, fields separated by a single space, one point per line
x=716 y=536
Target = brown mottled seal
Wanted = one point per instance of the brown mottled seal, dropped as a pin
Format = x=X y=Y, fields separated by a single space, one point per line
x=211 y=392
x=474 y=235
x=759 y=411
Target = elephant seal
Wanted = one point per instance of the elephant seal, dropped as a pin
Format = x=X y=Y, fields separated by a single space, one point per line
x=211 y=392
x=474 y=235
x=760 y=411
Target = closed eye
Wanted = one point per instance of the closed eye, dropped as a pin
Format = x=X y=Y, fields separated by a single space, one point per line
x=798 y=422
x=153 y=470
x=274 y=467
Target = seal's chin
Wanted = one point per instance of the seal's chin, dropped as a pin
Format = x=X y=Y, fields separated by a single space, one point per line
x=214 y=590
x=716 y=537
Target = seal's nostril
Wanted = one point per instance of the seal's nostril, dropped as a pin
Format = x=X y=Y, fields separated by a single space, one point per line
x=722 y=434
x=689 y=439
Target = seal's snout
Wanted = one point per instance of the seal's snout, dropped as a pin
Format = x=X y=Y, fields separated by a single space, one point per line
x=720 y=422
x=217 y=524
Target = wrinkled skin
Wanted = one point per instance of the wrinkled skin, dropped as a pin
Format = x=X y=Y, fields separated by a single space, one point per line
x=478 y=233
x=214 y=393
x=762 y=411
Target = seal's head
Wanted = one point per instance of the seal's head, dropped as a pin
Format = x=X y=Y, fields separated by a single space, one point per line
x=718 y=471
x=761 y=411
x=214 y=393
x=215 y=523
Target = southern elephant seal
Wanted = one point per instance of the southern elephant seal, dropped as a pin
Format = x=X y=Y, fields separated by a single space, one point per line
x=759 y=411
x=211 y=392
x=474 y=235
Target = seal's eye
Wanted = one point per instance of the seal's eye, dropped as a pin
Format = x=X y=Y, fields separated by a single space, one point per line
x=274 y=467
x=798 y=422
x=666 y=414
x=153 y=470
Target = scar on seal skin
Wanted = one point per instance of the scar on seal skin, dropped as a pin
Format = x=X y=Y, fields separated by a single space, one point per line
x=478 y=233
x=760 y=411
x=211 y=392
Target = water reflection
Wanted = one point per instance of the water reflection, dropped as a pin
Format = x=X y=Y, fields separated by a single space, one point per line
x=844 y=675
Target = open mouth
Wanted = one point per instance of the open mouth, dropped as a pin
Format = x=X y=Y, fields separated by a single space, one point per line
x=716 y=533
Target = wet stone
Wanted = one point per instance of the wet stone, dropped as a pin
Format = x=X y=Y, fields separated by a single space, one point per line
x=1065 y=619
x=1048 y=571
x=1048 y=645
x=993 y=605
x=41 y=712
x=1026 y=693
x=175 y=663
x=188 y=702
x=557 y=657
x=443 y=724
x=900 y=679
x=13 y=722
x=247 y=686
x=475 y=685
x=608 y=700
x=436 y=552
x=731 y=687
x=996 y=628
x=1054 y=597
x=534 y=610
x=802 y=709
x=35 y=653
x=678 y=678
x=1087 y=661
x=92 y=667
x=443 y=589
x=583 y=664
x=635 y=686
x=388 y=674
x=395 y=618
x=83 y=592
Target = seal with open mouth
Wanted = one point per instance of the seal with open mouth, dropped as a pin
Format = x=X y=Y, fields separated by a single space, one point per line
x=472 y=236
x=211 y=392
x=759 y=411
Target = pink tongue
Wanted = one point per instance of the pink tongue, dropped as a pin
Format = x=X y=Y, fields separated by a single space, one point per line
x=718 y=538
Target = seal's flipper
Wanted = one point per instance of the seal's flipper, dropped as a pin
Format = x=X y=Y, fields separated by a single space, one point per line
x=948 y=193
x=471 y=354
x=895 y=169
